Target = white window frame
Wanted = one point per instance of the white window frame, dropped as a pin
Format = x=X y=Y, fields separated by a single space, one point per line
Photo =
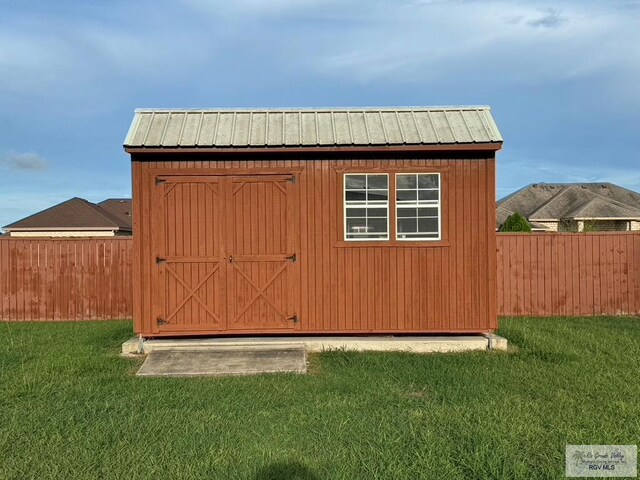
x=365 y=204
x=417 y=205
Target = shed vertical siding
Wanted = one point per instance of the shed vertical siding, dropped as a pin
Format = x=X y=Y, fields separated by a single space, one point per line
x=351 y=288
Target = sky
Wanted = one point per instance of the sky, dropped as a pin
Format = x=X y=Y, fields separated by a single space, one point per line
x=562 y=78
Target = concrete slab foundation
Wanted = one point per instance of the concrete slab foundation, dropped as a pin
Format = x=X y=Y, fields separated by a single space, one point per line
x=207 y=362
x=415 y=344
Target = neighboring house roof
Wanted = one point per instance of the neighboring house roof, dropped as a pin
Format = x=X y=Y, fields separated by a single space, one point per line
x=73 y=214
x=577 y=201
x=312 y=127
x=120 y=207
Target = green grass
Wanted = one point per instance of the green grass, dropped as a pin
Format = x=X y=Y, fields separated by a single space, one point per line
x=70 y=407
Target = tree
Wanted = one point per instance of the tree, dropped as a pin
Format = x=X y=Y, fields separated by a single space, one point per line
x=515 y=223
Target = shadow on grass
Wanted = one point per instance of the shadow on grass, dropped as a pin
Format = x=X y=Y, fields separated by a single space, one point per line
x=286 y=471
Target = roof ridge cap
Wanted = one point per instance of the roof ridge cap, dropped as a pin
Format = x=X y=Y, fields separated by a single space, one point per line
x=36 y=214
x=614 y=200
x=619 y=205
x=102 y=212
x=553 y=198
x=313 y=109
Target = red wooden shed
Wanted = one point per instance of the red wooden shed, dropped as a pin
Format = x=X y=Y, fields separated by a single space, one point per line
x=329 y=221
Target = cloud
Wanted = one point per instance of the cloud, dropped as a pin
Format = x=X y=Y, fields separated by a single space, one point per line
x=29 y=161
x=551 y=19
x=488 y=46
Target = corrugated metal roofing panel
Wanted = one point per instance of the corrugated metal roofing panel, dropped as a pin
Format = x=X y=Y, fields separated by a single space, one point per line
x=291 y=129
x=458 y=127
x=342 y=129
x=207 y=129
x=359 y=131
x=374 y=126
x=153 y=138
x=190 y=129
x=324 y=124
x=306 y=127
x=309 y=135
x=409 y=128
x=174 y=128
x=224 y=131
x=241 y=129
x=392 y=129
x=258 y=130
x=275 y=129
x=475 y=124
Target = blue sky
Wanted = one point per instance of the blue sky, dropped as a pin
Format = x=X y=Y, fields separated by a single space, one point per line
x=562 y=77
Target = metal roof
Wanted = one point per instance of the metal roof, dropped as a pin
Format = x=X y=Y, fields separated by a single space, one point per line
x=311 y=127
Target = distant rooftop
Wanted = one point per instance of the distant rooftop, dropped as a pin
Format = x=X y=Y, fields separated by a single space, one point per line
x=73 y=214
x=577 y=201
x=220 y=128
x=119 y=207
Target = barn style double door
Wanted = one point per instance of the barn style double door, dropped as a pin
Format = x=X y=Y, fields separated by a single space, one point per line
x=226 y=253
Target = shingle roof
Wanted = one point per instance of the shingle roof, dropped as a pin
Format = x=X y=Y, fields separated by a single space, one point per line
x=580 y=201
x=73 y=214
x=120 y=207
x=311 y=128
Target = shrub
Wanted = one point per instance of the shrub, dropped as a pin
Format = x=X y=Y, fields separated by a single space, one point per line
x=515 y=223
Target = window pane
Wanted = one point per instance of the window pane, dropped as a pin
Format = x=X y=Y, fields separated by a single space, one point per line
x=407 y=225
x=428 y=212
x=405 y=181
x=407 y=212
x=427 y=194
x=377 y=225
x=378 y=195
x=428 y=181
x=367 y=201
x=377 y=212
x=406 y=195
x=377 y=182
x=355 y=181
x=422 y=192
x=356 y=212
x=352 y=196
x=357 y=225
x=427 y=225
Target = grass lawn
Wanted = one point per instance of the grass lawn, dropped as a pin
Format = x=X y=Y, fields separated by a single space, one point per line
x=70 y=407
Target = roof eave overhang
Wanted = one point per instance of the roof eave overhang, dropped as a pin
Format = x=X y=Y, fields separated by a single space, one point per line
x=606 y=218
x=582 y=219
x=453 y=147
x=64 y=229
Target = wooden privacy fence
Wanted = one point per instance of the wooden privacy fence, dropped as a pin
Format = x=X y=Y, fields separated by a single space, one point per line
x=65 y=279
x=569 y=274
x=538 y=274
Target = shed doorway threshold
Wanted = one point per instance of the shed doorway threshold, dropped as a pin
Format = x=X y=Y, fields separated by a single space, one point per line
x=374 y=343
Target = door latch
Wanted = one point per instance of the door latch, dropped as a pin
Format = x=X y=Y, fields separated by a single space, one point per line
x=230 y=258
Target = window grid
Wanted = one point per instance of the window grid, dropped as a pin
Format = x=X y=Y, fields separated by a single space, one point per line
x=366 y=207
x=418 y=207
